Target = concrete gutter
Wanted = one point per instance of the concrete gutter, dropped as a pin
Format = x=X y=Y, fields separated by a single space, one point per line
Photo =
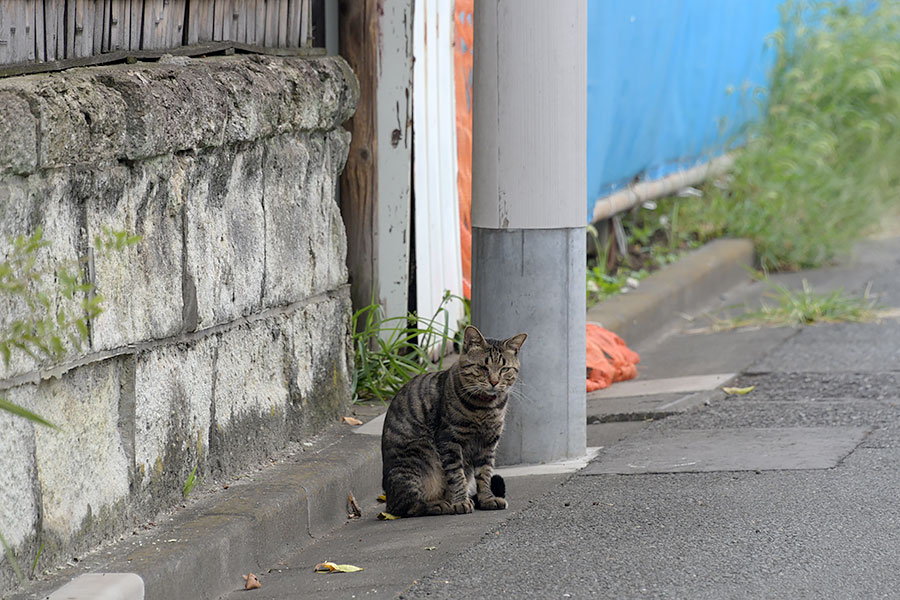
x=682 y=287
x=202 y=551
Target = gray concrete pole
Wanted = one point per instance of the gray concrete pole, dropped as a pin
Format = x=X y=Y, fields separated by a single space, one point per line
x=529 y=212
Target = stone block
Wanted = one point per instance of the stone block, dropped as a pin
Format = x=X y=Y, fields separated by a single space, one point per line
x=250 y=399
x=306 y=243
x=321 y=361
x=225 y=234
x=333 y=235
x=138 y=111
x=80 y=121
x=173 y=395
x=18 y=129
x=141 y=285
x=169 y=107
x=18 y=472
x=83 y=467
x=289 y=259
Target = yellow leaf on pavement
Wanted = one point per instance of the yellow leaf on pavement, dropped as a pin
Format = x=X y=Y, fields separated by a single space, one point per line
x=351 y=421
x=384 y=516
x=382 y=498
x=738 y=391
x=330 y=567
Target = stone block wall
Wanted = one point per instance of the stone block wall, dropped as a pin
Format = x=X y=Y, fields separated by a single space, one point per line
x=225 y=331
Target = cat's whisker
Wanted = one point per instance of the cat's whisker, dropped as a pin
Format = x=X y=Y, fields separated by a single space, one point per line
x=517 y=395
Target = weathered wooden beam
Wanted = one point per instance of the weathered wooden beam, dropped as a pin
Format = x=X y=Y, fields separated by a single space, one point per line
x=359 y=181
x=375 y=185
x=122 y=55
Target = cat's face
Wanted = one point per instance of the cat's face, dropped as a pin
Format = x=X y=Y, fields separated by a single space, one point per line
x=489 y=367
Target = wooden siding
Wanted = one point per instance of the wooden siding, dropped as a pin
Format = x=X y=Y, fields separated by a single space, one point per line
x=43 y=31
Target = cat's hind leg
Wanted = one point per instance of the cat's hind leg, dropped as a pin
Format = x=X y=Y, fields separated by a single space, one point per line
x=491 y=489
x=415 y=486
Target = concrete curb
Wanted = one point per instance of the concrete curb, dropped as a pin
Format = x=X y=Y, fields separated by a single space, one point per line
x=678 y=288
x=203 y=550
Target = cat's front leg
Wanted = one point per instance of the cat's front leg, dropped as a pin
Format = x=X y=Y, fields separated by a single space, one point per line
x=486 y=500
x=454 y=474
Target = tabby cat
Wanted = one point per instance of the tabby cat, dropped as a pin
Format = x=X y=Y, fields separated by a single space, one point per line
x=442 y=428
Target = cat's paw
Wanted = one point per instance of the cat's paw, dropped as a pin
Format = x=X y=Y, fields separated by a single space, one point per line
x=492 y=503
x=463 y=506
x=441 y=507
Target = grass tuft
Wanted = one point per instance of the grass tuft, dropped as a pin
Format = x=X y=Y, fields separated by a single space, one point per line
x=391 y=351
x=190 y=483
x=805 y=307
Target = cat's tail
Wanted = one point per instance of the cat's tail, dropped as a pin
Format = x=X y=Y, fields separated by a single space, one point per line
x=498 y=486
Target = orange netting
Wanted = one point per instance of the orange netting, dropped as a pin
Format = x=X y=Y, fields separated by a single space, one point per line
x=462 y=65
x=608 y=358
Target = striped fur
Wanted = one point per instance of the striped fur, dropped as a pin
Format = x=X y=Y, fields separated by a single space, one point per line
x=441 y=431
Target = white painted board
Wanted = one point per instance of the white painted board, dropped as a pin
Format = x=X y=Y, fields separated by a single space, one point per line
x=438 y=255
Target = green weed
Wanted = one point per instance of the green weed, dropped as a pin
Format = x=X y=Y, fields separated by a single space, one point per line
x=12 y=559
x=36 y=558
x=601 y=285
x=652 y=243
x=804 y=307
x=191 y=482
x=391 y=351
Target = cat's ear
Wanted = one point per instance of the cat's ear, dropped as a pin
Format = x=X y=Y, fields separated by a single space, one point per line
x=515 y=342
x=472 y=337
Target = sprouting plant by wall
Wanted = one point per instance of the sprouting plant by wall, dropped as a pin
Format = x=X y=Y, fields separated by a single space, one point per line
x=391 y=351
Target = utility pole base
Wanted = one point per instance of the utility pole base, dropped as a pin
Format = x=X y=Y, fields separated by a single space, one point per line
x=532 y=280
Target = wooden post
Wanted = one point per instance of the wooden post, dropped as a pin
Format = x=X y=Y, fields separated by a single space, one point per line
x=376 y=39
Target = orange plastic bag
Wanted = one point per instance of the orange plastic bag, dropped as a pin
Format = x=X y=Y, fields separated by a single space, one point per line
x=608 y=358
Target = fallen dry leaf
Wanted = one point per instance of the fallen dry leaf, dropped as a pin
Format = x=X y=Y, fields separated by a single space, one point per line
x=330 y=567
x=733 y=391
x=351 y=421
x=353 y=511
x=385 y=516
x=382 y=498
x=251 y=582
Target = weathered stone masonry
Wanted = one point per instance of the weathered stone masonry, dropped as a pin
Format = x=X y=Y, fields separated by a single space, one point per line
x=225 y=331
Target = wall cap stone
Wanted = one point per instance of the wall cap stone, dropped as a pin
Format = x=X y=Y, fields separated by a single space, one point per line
x=128 y=112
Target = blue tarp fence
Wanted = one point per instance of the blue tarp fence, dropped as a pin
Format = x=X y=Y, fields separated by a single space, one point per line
x=670 y=84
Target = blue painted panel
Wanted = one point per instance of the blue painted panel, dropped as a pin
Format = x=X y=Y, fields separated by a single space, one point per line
x=670 y=83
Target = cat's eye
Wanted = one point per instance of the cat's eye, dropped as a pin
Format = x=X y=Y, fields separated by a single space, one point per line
x=505 y=370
